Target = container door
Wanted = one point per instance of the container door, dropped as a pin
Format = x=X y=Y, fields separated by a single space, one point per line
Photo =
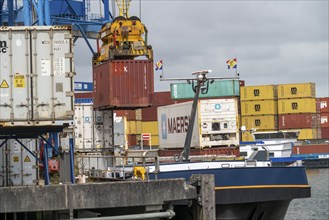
x=23 y=164
x=52 y=82
x=119 y=132
x=88 y=124
x=15 y=76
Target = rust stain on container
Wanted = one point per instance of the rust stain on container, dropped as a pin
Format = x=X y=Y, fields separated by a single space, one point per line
x=311 y=149
x=297 y=90
x=123 y=84
x=292 y=121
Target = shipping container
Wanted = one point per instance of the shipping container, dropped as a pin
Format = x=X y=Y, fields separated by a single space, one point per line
x=323 y=104
x=83 y=86
x=216 y=124
x=130 y=115
x=297 y=90
x=17 y=166
x=251 y=93
x=162 y=98
x=294 y=121
x=311 y=149
x=309 y=133
x=150 y=114
x=324 y=133
x=123 y=84
x=260 y=107
x=96 y=130
x=247 y=137
x=292 y=106
x=260 y=122
x=150 y=127
x=221 y=88
x=324 y=120
x=36 y=76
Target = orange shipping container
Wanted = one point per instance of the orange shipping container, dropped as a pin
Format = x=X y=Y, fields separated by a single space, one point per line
x=292 y=106
x=293 y=121
x=261 y=107
x=297 y=90
x=249 y=93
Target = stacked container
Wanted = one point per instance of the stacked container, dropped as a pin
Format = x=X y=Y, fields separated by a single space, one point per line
x=323 y=107
x=258 y=109
x=297 y=109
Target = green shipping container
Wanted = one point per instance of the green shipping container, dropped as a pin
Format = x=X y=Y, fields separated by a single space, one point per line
x=221 y=88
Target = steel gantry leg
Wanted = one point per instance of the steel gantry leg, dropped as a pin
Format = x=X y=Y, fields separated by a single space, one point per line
x=72 y=159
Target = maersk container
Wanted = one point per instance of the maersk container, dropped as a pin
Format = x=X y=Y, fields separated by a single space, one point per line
x=297 y=90
x=36 y=75
x=291 y=106
x=294 y=121
x=259 y=107
x=249 y=93
x=123 y=84
x=260 y=122
x=17 y=166
x=216 y=124
x=221 y=88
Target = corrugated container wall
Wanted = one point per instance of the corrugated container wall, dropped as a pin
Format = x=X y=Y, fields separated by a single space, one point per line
x=311 y=149
x=261 y=122
x=291 y=106
x=297 y=90
x=123 y=84
x=221 y=88
x=251 y=93
x=36 y=75
x=309 y=134
x=293 y=121
x=261 y=107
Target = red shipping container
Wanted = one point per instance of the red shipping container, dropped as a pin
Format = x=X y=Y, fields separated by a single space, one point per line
x=161 y=99
x=322 y=104
x=150 y=114
x=324 y=119
x=225 y=151
x=325 y=133
x=292 y=121
x=83 y=95
x=129 y=114
x=311 y=149
x=123 y=84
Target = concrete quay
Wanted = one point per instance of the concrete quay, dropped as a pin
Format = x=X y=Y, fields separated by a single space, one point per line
x=125 y=200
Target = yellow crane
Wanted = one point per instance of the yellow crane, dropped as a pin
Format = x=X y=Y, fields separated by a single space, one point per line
x=123 y=38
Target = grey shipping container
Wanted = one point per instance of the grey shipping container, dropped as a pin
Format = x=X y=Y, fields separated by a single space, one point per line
x=36 y=75
x=217 y=89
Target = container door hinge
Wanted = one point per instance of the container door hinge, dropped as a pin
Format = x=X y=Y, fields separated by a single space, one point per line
x=69 y=74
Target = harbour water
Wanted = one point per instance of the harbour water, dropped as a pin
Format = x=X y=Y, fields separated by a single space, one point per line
x=316 y=207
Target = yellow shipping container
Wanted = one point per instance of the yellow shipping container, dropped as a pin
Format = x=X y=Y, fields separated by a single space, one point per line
x=131 y=127
x=261 y=122
x=291 y=106
x=298 y=90
x=246 y=136
x=154 y=141
x=260 y=107
x=249 y=93
x=150 y=127
x=308 y=134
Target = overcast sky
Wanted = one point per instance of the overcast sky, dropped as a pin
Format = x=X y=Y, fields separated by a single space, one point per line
x=275 y=42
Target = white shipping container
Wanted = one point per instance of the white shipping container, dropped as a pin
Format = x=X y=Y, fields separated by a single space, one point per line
x=94 y=129
x=17 y=165
x=215 y=124
x=36 y=75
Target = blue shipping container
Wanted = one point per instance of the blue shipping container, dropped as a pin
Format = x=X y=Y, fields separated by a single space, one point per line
x=83 y=86
x=220 y=88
